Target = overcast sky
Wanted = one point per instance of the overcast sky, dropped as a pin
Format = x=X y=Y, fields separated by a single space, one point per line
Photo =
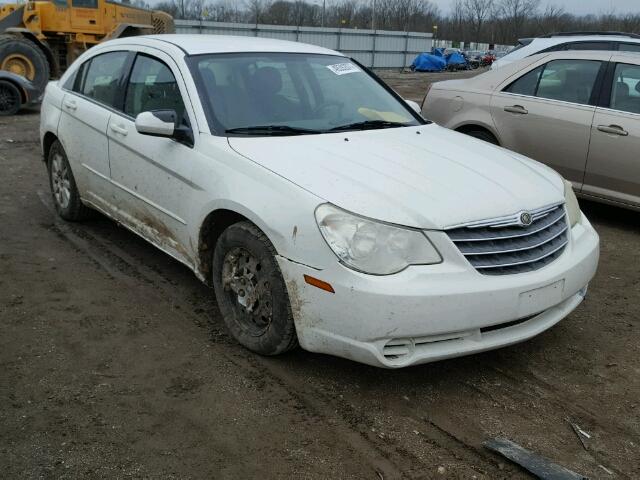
x=575 y=6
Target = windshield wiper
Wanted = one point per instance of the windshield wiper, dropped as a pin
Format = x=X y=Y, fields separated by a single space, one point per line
x=272 y=130
x=369 y=125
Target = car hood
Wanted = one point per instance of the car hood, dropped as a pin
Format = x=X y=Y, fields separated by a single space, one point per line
x=425 y=177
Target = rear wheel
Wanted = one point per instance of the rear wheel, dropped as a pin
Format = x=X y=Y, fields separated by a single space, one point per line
x=251 y=293
x=22 y=57
x=10 y=98
x=66 y=197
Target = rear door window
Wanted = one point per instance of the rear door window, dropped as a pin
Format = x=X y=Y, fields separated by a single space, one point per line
x=625 y=91
x=629 y=47
x=566 y=80
x=103 y=78
x=590 y=46
x=527 y=84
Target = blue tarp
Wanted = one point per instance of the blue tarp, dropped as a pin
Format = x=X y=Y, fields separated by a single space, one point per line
x=437 y=61
x=455 y=58
x=425 y=62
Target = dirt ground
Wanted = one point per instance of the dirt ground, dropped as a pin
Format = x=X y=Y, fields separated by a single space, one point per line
x=115 y=363
x=413 y=85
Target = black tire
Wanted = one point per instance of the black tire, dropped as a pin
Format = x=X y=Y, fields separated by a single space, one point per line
x=17 y=45
x=482 y=135
x=259 y=332
x=72 y=209
x=10 y=98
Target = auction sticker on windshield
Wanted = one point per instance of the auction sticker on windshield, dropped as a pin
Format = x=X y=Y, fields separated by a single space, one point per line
x=343 y=68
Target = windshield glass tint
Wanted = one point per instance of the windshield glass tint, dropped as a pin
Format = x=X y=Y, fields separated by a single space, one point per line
x=311 y=92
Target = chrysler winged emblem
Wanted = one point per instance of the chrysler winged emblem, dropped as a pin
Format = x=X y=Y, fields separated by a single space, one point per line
x=525 y=219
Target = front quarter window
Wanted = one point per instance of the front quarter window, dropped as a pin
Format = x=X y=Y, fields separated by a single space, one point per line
x=292 y=93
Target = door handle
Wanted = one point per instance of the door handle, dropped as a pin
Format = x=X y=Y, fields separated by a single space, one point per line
x=119 y=129
x=516 y=109
x=613 y=129
x=70 y=104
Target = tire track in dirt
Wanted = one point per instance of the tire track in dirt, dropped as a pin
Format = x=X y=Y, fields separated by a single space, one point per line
x=391 y=459
x=122 y=267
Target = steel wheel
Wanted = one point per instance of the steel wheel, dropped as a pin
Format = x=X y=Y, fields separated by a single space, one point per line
x=249 y=290
x=23 y=57
x=20 y=65
x=60 y=181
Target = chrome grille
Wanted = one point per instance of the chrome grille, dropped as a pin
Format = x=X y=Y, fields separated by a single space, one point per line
x=504 y=246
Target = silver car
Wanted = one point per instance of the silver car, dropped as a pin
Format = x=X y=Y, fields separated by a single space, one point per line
x=578 y=112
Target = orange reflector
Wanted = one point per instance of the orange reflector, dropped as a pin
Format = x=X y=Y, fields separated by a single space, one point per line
x=319 y=284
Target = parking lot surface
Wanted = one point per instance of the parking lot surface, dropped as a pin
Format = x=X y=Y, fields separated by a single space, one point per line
x=413 y=85
x=115 y=363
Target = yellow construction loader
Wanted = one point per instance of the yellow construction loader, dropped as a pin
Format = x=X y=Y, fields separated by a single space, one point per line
x=39 y=39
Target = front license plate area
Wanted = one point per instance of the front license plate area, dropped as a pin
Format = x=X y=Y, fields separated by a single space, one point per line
x=539 y=299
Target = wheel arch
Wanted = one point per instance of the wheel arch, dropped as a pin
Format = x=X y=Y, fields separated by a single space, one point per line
x=212 y=226
x=48 y=140
x=23 y=94
x=467 y=127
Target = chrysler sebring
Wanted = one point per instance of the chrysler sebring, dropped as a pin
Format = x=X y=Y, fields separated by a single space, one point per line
x=320 y=206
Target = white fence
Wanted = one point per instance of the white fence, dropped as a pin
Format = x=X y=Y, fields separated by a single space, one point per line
x=469 y=45
x=372 y=48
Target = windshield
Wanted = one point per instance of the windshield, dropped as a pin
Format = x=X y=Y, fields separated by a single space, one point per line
x=289 y=93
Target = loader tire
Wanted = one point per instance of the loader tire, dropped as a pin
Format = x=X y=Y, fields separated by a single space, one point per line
x=23 y=57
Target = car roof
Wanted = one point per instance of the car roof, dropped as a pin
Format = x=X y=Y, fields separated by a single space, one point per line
x=574 y=54
x=491 y=78
x=196 y=44
x=581 y=55
x=583 y=38
x=584 y=33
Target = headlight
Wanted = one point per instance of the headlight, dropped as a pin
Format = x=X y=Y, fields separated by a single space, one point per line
x=373 y=247
x=573 y=209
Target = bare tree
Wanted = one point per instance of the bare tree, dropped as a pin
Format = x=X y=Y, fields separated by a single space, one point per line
x=477 y=11
x=516 y=13
x=554 y=19
x=225 y=11
x=256 y=9
x=480 y=21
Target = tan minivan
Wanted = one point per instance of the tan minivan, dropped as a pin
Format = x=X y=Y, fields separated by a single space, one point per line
x=578 y=112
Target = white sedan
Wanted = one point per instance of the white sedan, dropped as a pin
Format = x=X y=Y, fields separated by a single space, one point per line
x=320 y=206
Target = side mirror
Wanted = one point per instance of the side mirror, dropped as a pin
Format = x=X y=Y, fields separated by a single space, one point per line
x=414 y=105
x=163 y=123
x=158 y=123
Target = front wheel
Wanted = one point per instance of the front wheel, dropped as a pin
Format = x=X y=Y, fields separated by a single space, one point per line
x=251 y=293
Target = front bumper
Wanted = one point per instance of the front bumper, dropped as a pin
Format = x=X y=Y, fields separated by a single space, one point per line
x=429 y=313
